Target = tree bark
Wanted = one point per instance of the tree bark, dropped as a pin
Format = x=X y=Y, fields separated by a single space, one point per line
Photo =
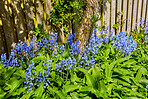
x=86 y=25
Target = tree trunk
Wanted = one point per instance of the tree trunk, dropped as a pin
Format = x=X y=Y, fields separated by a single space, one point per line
x=86 y=25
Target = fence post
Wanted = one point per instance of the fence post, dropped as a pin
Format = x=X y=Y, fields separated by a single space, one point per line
x=118 y=19
x=8 y=26
x=125 y=15
x=113 y=13
x=28 y=7
x=19 y=20
x=2 y=48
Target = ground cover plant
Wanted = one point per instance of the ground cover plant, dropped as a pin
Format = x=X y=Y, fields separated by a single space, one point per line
x=109 y=67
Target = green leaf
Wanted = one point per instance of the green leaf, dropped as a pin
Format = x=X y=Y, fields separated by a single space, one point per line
x=69 y=88
x=103 y=89
x=74 y=95
x=40 y=67
x=129 y=62
x=138 y=75
x=82 y=70
x=107 y=52
x=122 y=71
x=88 y=88
x=8 y=73
x=38 y=58
x=39 y=91
x=14 y=85
x=20 y=90
x=96 y=73
x=120 y=60
x=87 y=97
x=27 y=95
x=20 y=73
x=90 y=81
x=108 y=71
x=73 y=77
x=2 y=95
x=59 y=93
x=53 y=74
x=122 y=82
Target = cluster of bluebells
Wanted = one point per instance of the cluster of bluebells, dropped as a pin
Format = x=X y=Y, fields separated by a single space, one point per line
x=12 y=61
x=124 y=43
x=32 y=77
x=70 y=38
x=25 y=51
x=68 y=64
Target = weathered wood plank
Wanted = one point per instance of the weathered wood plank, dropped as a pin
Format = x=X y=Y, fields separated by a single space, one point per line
x=39 y=12
x=8 y=26
x=139 y=12
x=19 y=20
x=135 y=3
x=2 y=48
x=98 y=23
x=130 y=3
x=113 y=12
x=119 y=5
x=144 y=10
x=28 y=7
x=48 y=8
x=125 y=15
x=106 y=14
x=146 y=16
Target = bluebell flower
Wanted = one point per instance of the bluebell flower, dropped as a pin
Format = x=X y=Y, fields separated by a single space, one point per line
x=147 y=87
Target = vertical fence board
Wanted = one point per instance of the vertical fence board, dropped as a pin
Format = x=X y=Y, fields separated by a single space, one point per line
x=19 y=20
x=7 y=25
x=2 y=48
x=113 y=13
x=144 y=10
x=146 y=17
x=129 y=16
x=28 y=7
x=99 y=21
x=39 y=12
x=125 y=15
x=106 y=14
x=48 y=4
x=1 y=42
x=139 y=12
x=119 y=5
x=135 y=4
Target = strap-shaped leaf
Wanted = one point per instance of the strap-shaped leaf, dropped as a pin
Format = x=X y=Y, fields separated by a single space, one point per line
x=82 y=70
x=96 y=73
x=90 y=89
x=8 y=73
x=59 y=93
x=15 y=85
x=39 y=91
x=69 y=88
x=38 y=58
x=74 y=95
x=90 y=81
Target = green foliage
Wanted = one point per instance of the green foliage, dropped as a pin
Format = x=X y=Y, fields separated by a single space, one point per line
x=11 y=82
x=40 y=33
x=116 y=77
x=140 y=36
x=62 y=13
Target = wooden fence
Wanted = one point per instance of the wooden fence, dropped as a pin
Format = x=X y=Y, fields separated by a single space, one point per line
x=18 y=18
